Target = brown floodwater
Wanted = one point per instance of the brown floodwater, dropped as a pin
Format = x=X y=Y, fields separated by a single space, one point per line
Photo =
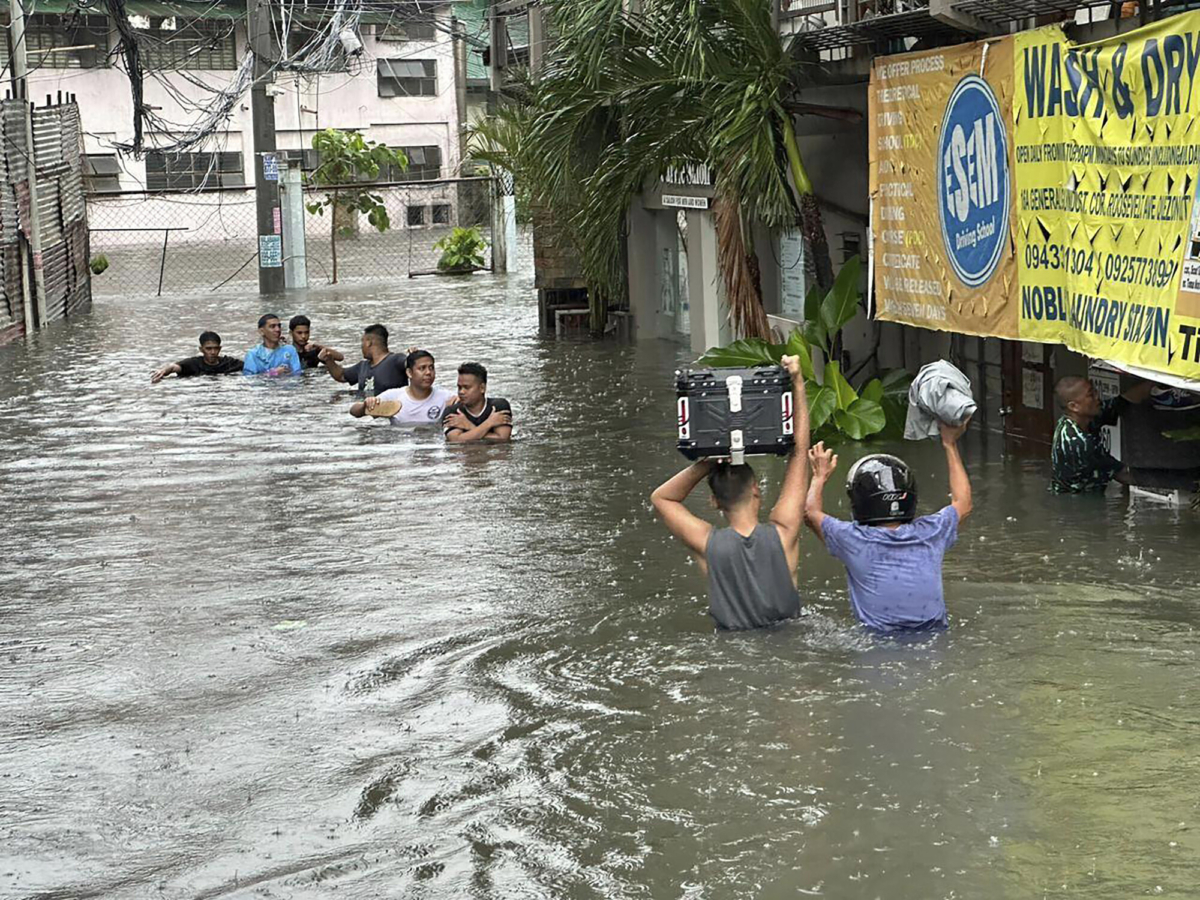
x=252 y=648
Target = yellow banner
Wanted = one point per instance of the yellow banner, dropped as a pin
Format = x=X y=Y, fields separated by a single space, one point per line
x=941 y=189
x=1097 y=165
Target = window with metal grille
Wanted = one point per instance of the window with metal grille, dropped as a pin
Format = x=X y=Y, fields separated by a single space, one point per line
x=301 y=34
x=190 y=171
x=176 y=43
x=424 y=164
x=415 y=215
x=407 y=77
x=418 y=27
x=308 y=158
x=101 y=173
x=441 y=214
x=48 y=37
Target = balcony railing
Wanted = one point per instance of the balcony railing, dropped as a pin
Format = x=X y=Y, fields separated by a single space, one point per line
x=830 y=13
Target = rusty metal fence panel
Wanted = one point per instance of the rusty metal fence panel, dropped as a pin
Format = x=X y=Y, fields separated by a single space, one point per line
x=56 y=140
x=205 y=241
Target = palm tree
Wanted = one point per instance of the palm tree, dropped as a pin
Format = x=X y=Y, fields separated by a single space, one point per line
x=632 y=89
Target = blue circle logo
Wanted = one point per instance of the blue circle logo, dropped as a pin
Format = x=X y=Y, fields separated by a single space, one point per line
x=973 y=181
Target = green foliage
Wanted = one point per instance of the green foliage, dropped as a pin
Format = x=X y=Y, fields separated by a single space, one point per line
x=98 y=264
x=630 y=90
x=841 y=303
x=1184 y=434
x=347 y=162
x=834 y=406
x=347 y=158
x=462 y=248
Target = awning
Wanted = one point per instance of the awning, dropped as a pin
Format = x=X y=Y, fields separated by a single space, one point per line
x=1186 y=384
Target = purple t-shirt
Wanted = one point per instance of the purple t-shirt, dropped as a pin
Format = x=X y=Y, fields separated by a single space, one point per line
x=895 y=574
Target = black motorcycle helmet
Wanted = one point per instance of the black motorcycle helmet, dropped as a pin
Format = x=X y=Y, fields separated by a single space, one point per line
x=882 y=490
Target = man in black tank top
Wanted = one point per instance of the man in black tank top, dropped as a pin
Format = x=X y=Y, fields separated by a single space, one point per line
x=751 y=566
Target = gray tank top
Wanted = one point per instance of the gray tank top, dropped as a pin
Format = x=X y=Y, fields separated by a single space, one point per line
x=749 y=583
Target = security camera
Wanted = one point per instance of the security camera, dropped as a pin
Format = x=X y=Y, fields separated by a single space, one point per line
x=350 y=42
x=274 y=90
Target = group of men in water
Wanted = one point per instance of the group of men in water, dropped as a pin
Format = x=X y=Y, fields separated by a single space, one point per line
x=893 y=558
x=399 y=388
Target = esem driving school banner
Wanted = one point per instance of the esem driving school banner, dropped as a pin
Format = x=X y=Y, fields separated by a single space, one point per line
x=1046 y=191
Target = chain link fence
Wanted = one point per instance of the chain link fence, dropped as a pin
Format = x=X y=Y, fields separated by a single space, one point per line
x=156 y=243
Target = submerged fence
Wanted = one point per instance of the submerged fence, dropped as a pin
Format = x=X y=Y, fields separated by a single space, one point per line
x=156 y=243
x=62 y=214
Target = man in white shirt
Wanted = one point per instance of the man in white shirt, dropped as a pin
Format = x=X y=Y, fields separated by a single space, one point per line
x=419 y=404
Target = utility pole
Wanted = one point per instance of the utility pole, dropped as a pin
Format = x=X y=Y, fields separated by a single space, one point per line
x=20 y=91
x=266 y=160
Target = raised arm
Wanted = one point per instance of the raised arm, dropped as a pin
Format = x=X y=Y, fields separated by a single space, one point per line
x=169 y=369
x=330 y=353
x=824 y=462
x=668 y=500
x=332 y=364
x=788 y=513
x=1139 y=393
x=960 y=484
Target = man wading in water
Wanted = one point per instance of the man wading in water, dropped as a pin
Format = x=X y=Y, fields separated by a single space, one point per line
x=1078 y=461
x=893 y=559
x=380 y=369
x=751 y=566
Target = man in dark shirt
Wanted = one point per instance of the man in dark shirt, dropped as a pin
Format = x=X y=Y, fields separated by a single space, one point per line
x=380 y=369
x=209 y=362
x=1078 y=461
x=308 y=351
x=475 y=416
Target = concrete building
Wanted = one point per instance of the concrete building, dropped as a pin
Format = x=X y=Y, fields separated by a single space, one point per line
x=402 y=90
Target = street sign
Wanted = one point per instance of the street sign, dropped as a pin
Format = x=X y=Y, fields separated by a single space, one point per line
x=270 y=251
x=270 y=166
x=682 y=201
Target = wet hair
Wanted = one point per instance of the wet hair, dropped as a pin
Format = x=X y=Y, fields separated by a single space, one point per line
x=377 y=332
x=1067 y=388
x=209 y=337
x=473 y=368
x=297 y=321
x=730 y=485
x=415 y=357
x=265 y=318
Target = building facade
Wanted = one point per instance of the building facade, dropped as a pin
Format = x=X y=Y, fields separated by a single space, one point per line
x=675 y=291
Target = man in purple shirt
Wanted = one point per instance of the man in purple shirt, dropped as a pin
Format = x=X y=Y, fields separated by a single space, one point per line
x=893 y=559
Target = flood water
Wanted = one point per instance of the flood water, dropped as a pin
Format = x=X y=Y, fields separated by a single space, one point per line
x=252 y=648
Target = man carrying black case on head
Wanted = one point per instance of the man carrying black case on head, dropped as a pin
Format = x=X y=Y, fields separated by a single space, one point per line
x=751 y=566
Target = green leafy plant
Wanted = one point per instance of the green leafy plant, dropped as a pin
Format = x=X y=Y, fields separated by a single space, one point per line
x=347 y=160
x=834 y=407
x=98 y=264
x=462 y=250
x=1184 y=434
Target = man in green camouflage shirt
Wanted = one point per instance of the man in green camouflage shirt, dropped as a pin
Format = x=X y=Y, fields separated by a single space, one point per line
x=1078 y=460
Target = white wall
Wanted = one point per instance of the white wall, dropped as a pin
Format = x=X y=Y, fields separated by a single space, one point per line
x=308 y=103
